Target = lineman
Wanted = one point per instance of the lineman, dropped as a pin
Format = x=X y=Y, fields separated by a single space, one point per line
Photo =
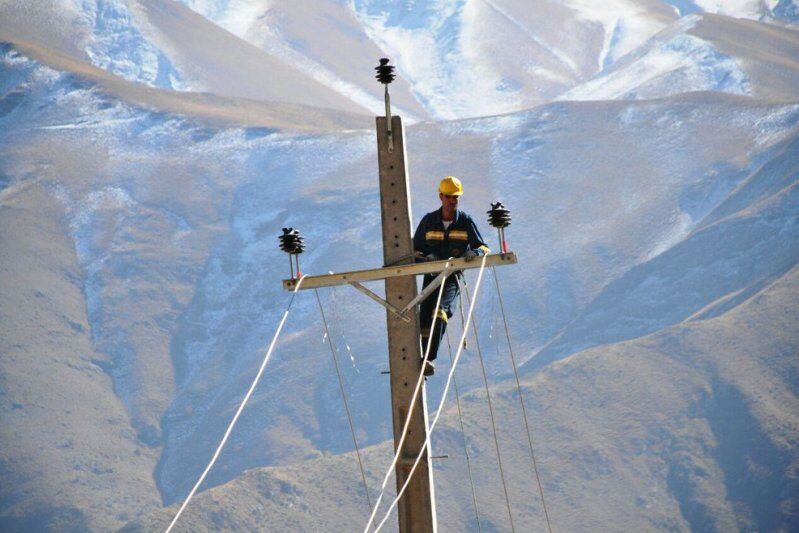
x=442 y=234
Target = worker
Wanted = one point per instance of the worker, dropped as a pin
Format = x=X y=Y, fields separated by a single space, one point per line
x=443 y=234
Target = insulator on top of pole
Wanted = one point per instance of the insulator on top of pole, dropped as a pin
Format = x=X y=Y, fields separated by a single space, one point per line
x=499 y=217
x=385 y=72
x=385 y=75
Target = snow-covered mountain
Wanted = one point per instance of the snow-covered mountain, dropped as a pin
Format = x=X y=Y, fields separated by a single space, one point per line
x=151 y=150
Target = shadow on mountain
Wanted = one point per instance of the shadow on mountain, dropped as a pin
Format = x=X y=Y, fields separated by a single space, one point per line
x=757 y=474
x=66 y=519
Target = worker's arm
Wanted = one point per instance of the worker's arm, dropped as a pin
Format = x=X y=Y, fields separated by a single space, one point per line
x=420 y=247
x=476 y=242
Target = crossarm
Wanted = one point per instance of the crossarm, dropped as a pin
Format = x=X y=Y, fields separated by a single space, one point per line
x=415 y=269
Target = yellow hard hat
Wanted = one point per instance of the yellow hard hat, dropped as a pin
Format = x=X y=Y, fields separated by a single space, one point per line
x=451 y=186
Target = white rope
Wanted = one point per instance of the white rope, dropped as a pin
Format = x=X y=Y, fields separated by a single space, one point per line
x=410 y=410
x=463 y=434
x=441 y=403
x=240 y=409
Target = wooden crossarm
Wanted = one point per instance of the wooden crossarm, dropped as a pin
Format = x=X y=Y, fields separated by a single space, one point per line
x=415 y=269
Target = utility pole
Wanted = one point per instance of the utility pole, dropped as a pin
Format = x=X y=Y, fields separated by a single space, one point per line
x=417 y=510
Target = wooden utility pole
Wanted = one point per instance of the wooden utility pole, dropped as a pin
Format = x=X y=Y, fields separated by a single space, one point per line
x=417 y=506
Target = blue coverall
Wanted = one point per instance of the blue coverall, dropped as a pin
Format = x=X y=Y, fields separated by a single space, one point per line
x=431 y=238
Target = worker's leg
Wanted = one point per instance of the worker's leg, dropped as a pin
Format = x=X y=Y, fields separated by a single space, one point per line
x=443 y=312
x=426 y=313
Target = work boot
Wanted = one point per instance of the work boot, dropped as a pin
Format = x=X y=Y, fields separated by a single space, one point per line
x=429 y=368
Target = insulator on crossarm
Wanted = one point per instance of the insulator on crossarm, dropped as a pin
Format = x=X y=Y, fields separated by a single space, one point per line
x=498 y=217
x=291 y=241
x=385 y=72
x=293 y=244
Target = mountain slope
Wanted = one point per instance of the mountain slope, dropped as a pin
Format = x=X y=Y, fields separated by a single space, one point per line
x=692 y=428
x=703 y=53
x=68 y=460
x=221 y=63
x=210 y=108
x=458 y=61
x=163 y=44
x=320 y=38
x=714 y=267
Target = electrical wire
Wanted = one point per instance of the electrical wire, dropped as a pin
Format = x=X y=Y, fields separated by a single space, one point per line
x=465 y=444
x=410 y=409
x=521 y=400
x=239 y=410
x=491 y=414
x=426 y=444
x=344 y=398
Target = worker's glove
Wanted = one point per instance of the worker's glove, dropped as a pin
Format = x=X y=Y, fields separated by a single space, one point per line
x=431 y=257
x=469 y=255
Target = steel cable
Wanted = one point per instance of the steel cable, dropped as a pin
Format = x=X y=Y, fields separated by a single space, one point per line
x=491 y=414
x=521 y=400
x=344 y=398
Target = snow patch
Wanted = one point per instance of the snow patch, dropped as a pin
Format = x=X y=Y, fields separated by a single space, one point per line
x=680 y=227
x=239 y=17
x=94 y=221
x=271 y=40
x=625 y=23
x=751 y=9
x=236 y=16
x=116 y=44
x=775 y=126
x=765 y=10
x=683 y=63
x=437 y=49
x=786 y=10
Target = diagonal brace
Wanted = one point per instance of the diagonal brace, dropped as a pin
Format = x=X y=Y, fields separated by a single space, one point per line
x=381 y=301
x=430 y=288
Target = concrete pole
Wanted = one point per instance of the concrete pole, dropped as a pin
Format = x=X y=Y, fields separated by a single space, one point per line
x=416 y=508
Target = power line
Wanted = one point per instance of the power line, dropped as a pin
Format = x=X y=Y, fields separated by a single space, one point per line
x=344 y=398
x=521 y=401
x=239 y=410
x=493 y=420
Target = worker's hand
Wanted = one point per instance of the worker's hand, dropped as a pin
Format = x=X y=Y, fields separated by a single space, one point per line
x=469 y=255
x=431 y=257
